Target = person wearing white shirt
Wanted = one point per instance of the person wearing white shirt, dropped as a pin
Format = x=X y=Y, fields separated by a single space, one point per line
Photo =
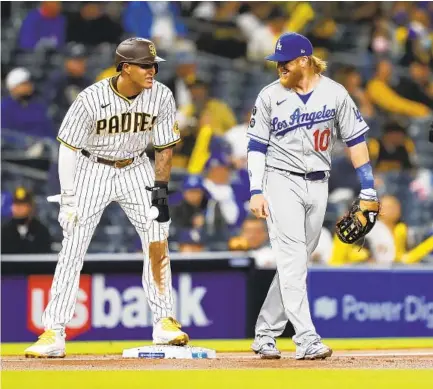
x=262 y=40
x=237 y=138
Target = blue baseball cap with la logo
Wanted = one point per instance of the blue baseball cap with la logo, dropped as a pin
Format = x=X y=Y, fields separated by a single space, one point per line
x=290 y=46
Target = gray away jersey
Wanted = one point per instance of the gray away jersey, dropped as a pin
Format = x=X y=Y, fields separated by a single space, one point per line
x=300 y=136
x=109 y=125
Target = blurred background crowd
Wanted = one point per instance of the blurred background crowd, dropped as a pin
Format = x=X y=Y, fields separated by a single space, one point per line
x=382 y=52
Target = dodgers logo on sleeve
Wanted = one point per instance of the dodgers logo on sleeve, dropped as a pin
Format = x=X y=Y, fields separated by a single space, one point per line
x=358 y=115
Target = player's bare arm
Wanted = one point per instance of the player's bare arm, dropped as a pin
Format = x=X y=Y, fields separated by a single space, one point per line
x=165 y=136
x=163 y=162
x=359 y=154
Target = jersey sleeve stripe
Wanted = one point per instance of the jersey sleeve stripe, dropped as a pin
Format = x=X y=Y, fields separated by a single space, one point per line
x=168 y=144
x=360 y=132
x=258 y=138
x=66 y=144
x=254 y=145
x=355 y=141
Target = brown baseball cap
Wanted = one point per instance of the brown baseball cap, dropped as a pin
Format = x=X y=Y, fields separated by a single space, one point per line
x=136 y=51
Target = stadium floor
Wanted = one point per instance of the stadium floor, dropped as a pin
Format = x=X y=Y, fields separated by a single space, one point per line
x=356 y=363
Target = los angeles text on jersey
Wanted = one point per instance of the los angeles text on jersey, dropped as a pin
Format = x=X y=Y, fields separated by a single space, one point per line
x=125 y=122
x=307 y=119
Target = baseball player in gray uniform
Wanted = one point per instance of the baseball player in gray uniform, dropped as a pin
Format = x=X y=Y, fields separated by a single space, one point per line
x=101 y=159
x=294 y=124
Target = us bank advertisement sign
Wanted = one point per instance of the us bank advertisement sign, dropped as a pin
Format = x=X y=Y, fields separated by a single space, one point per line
x=114 y=307
x=374 y=303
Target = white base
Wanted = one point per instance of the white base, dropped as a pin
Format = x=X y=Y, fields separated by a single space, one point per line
x=169 y=352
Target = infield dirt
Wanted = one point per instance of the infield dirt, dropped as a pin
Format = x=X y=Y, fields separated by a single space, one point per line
x=367 y=359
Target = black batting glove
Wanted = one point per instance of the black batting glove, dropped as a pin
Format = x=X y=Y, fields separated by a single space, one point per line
x=160 y=200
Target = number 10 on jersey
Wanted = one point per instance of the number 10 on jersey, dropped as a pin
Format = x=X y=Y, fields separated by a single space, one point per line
x=321 y=139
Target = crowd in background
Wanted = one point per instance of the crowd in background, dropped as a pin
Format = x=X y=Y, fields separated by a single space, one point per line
x=393 y=88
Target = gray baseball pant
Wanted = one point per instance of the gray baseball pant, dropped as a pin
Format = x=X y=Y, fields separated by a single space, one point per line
x=297 y=209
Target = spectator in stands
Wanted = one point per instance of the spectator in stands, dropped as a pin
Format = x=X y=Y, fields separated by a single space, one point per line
x=156 y=20
x=323 y=251
x=238 y=141
x=378 y=249
x=186 y=72
x=400 y=12
x=197 y=138
x=43 y=27
x=350 y=78
x=6 y=11
x=183 y=150
x=107 y=73
x=190 y=241
x=386 y=244
x=343 y=182
x=380 y=93
x=22 y=110
x=6 y=208
x=206 y=110
x=24 y=233
x=64 y=85
x=394 y=151
x=390 y=216
x=190 y=212
x=261 y=41
x=221 y=35
x=322 y=27
x=225 y=208
x=251 y=14
x=91 y=26
x=381 y=41
x=381 y=245
x=301 y=15
x=254 y=238
x=418 y=85
x=422 y=185
x=418 y=38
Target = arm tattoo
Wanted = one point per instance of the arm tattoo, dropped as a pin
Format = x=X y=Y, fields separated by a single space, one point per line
x=163 y=160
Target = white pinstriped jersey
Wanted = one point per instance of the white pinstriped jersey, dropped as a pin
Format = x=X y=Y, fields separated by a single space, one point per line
x=300 y=135
x=109 y=125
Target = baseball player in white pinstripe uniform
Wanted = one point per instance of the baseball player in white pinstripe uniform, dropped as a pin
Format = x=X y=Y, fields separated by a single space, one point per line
x=101 y=159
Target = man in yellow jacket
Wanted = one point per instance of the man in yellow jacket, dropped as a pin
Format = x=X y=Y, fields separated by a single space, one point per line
x=219 y=116
x=383 y=96
x=106 y=73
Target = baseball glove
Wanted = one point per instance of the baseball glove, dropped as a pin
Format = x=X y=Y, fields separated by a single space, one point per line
x=359 y=221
